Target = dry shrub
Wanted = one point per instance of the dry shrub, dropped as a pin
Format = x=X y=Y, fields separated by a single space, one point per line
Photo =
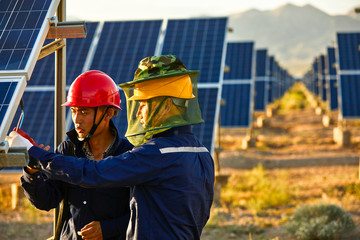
x=319 y=222
x=256 y=190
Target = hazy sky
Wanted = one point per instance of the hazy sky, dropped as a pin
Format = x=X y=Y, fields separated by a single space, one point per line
x=157 y=9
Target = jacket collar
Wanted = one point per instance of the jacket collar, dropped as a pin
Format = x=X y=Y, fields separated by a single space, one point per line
x=72 y=135
x=174 y=131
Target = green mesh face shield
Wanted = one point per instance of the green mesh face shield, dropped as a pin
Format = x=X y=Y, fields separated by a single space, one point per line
x=158 y=114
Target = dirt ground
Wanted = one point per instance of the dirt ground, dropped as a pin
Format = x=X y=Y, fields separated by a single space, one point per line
x=294 y=142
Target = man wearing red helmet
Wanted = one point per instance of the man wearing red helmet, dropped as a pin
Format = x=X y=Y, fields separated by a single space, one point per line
x=89 y=213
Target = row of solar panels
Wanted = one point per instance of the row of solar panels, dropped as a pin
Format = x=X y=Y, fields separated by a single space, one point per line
x=117 y=47
x=335 y=76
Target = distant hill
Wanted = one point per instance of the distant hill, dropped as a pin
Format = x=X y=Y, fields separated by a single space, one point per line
x=294 y=35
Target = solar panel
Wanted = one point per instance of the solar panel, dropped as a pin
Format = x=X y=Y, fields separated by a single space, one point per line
x=316 y=77
x=261 y=80
x=208 y=98
x=239 y=57
x=11 y=90
x=23 y=28
x=350 y=92
x=321 y=77
x=39 y=116
x=237 y=91
x=349 y=74
x=200 y=44
x=237 y=111
x=330 y=62
x=121 y=46
x=349 y=54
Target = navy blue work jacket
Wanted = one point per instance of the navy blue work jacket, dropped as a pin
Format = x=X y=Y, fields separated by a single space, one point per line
x=171 y=178
x=110 y=206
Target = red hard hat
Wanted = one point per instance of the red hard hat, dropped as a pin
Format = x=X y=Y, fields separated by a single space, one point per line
x=93 y=89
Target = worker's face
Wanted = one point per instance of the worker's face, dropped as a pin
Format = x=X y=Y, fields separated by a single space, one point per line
x=83 y=118
x=143 y=112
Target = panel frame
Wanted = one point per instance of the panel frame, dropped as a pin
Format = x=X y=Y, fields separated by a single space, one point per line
x=14 y=102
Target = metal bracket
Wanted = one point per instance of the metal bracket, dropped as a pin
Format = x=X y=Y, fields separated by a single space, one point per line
x=51 y=47
x=75 y=29
x=15 y=157
x=4 y=146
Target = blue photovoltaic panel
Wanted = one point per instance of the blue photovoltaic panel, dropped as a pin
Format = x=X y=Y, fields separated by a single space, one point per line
x=39 y=116
x=260 y=95
x=349 y=54
x=321 y=76
x=207 y=101
x=239 y=56
x=20 y=25
x=7 y=90
x=261 y=63
x=350 y=92
x=237 y=91
x=330 y=64
x=349 y=73
x=236 y=111
x=333 y=94
x=11 y=90
x=271 y=80
x=76 y=53
x=315 y=76
x=199 y=43
x=261 y=80
x=122 y=45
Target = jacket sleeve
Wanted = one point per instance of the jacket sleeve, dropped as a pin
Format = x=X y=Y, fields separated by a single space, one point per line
x=134 y=167
x=43 y=193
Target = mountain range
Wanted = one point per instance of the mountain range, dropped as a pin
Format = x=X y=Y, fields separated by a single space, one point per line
x=294 y=35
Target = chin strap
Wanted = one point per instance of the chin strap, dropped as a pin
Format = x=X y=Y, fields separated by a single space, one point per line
x=93 y=129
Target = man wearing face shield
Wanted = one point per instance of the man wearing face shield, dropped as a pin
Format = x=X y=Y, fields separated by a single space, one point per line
x=170 y=173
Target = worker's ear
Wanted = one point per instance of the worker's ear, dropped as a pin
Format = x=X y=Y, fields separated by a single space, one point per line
x=110 y=113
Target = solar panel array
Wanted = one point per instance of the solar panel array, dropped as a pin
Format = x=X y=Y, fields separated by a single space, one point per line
x=116 y=48
x=335 y=75
x=238 y=85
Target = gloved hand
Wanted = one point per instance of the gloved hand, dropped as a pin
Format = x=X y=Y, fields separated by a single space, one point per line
x=19 y=138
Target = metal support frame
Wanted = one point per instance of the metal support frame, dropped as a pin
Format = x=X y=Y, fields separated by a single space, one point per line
x=51 y=47
x=60 y=89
